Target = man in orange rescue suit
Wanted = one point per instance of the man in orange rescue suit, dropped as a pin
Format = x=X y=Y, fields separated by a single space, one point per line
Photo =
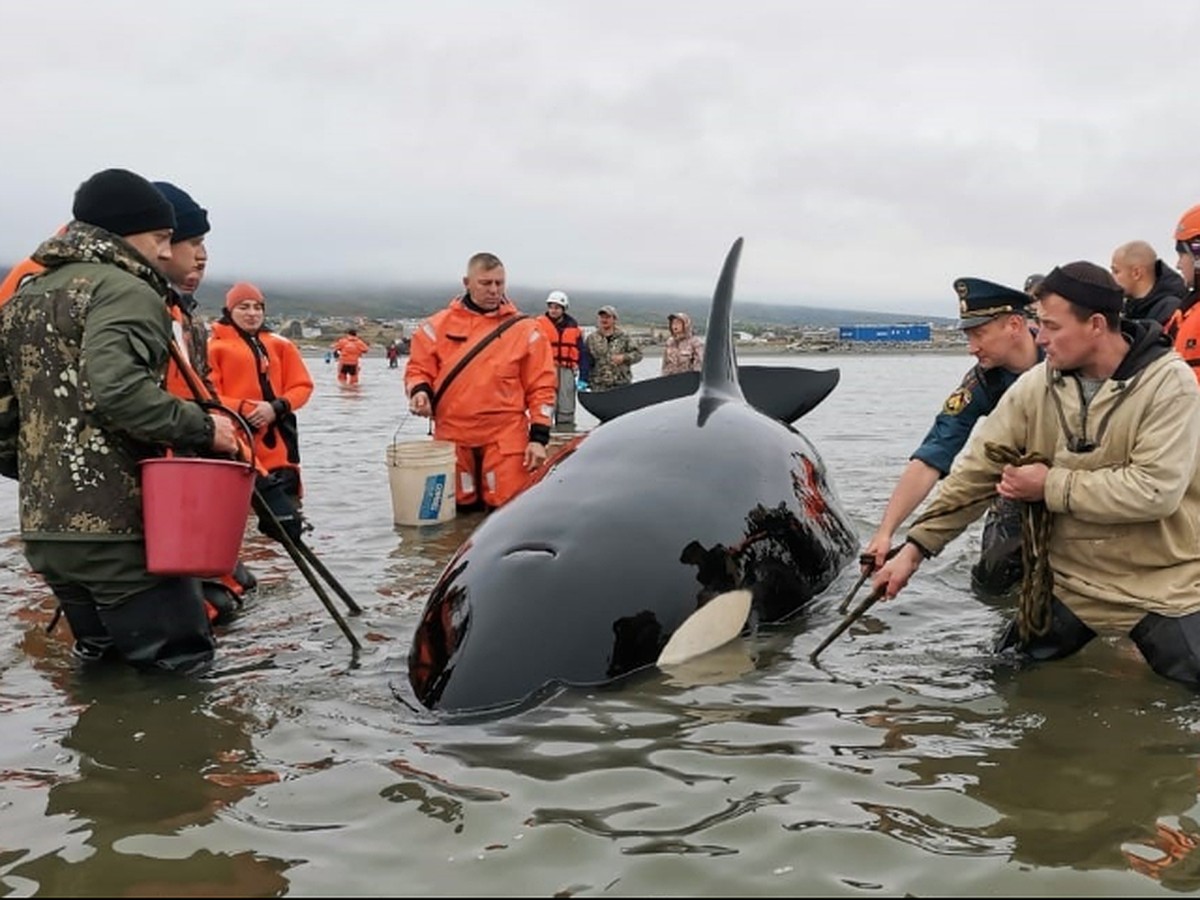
x=486 y=375
x=349 y=349
x=1184 y=325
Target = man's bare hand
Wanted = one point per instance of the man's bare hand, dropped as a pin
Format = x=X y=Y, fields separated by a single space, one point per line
x=262 y=415
x=877 y=550
x=535 y=456
x=895 y=573
x=1026 y=483
x=418 y=404
x=223 y=434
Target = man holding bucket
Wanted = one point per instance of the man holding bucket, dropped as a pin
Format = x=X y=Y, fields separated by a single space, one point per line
x=184 y=271
x=83 y=354
x=485 y=373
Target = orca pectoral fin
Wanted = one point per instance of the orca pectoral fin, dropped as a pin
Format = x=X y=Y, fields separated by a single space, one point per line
x=717 y=622
x=605 y=405
x=782 y=392
x=786 y=393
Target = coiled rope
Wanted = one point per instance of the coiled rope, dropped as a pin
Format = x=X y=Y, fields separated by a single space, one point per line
x=1037 y=581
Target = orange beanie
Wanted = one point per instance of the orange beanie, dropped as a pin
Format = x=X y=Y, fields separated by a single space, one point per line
x=243 y=290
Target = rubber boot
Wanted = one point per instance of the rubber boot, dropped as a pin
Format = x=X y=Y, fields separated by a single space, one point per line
x=1171 y=646
x=1067 y=634
x=92 y=640
x=164 y=627
x=225 y=597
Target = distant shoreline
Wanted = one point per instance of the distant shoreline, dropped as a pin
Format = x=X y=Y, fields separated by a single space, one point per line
x=745 y=350
x=853 y=347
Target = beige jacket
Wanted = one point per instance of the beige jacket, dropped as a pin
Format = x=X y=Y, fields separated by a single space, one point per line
x=1125 y=537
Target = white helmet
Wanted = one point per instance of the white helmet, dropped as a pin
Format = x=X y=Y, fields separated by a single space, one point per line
x=558 y=297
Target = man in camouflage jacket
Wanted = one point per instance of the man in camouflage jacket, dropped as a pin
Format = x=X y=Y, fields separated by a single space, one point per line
x=83 y=352
x=612 y=351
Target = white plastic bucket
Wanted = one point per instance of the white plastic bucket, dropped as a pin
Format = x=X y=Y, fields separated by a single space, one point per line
x=421 y=475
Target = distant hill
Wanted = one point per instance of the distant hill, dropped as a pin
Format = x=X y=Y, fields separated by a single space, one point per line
x=415 y=301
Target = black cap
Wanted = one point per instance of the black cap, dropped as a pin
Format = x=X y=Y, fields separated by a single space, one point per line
x=191 y=219
x=122 y=202
x=981 y=301
x=1084 y=284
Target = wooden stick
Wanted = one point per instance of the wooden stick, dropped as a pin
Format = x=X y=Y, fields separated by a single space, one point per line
x=844 y=605
x=866 y=559
x=871 y=600
x=264 y=509
x=316 y=563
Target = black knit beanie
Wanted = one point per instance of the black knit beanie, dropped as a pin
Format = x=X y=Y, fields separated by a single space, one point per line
x=191 y=219
x=122 y=202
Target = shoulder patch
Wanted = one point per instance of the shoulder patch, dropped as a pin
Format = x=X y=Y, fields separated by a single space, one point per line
x=957 y=402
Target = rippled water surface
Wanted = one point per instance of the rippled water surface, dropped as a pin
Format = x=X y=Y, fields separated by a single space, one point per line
x=908 y=762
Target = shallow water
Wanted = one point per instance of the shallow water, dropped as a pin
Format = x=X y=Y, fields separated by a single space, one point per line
x=907 y=763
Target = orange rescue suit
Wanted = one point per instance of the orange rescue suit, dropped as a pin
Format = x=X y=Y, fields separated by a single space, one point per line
x=235 y=369
x=18 y=275
x=1184 y=330
x=350 y=348
x=489 y=409
x=188 y=336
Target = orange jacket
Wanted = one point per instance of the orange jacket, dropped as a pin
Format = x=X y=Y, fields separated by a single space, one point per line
x=235 y=370
x=1184 y=329
x=191 y=337
x=17 y=276
x=502 y=395
x=349 y=347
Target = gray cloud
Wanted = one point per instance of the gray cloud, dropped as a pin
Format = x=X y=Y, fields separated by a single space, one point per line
x=868 y=152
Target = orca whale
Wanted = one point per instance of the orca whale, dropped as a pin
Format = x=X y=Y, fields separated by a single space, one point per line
x=656 y=536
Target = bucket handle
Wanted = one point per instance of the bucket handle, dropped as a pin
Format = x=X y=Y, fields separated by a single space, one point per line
x=404 y=418
x=237 y=417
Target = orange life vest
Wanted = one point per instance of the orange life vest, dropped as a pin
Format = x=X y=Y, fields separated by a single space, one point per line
x=564 y=342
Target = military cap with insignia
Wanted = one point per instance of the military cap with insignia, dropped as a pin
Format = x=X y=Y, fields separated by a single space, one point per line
x=981 y=301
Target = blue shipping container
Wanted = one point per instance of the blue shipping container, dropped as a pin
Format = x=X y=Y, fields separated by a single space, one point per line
x=878 y=333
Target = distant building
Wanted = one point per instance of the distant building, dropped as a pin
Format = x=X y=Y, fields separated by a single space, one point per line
x=914 y=333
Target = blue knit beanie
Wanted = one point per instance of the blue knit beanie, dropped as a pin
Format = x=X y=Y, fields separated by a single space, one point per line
x=191 y=219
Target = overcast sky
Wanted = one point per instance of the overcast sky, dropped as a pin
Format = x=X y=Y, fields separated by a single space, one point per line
x=868 y=152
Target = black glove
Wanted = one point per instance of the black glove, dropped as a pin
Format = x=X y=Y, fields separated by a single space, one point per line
x=280 y=493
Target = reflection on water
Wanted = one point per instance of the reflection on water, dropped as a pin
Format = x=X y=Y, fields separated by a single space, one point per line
x=149 y=757
x=909 y=762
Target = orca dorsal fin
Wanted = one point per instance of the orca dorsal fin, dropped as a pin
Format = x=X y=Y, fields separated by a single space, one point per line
x=719 y=376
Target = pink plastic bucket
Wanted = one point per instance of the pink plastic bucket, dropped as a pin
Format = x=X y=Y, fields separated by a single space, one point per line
x=195 y=512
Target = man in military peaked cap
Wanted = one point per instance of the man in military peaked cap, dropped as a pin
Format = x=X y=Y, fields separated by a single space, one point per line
x=981 y=301
x=1108 y=428
x=993 y=317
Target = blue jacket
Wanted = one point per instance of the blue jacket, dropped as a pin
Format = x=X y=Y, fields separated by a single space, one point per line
x=977 y=395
